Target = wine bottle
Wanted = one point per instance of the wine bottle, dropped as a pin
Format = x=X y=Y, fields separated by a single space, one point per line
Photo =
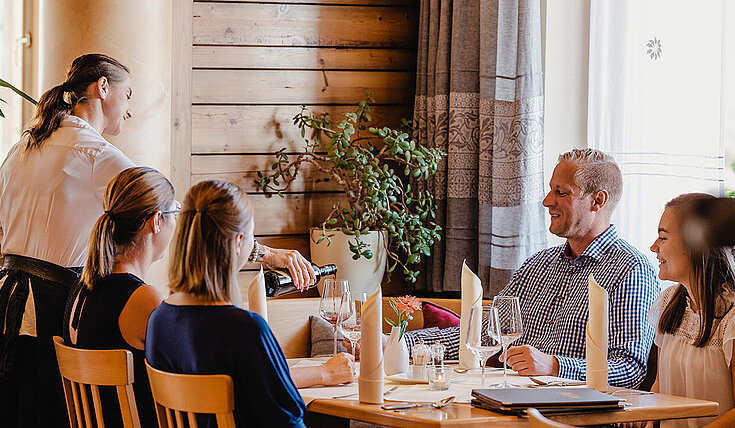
x=277 y=283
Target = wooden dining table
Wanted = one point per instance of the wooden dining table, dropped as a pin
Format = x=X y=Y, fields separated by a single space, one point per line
x=641 y=408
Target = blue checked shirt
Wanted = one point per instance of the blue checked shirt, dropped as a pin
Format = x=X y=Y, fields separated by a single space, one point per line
x=552 y=290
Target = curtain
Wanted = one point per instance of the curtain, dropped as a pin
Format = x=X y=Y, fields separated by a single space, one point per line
x=655 y=95
x=479 y=97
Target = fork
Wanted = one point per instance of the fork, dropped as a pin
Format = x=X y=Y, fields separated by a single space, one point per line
x=355 y=393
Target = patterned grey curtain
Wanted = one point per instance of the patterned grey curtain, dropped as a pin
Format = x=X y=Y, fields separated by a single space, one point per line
x=479 y=97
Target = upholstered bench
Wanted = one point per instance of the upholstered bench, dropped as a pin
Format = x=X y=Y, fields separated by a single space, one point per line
x=289 y=320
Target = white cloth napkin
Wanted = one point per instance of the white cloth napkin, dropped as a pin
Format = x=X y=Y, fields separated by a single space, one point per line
x=370 y=381
x=597 y=336
x=471 y=298
x=256 y=295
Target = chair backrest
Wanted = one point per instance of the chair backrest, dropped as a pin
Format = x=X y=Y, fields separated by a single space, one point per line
x=537 y=420
x=651 y=369
x=179 y=395
x=83 y=369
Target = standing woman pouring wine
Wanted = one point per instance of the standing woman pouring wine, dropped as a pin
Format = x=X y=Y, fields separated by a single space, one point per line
x=52 y=184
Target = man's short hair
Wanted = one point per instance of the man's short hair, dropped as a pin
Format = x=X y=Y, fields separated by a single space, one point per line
x=597 y=171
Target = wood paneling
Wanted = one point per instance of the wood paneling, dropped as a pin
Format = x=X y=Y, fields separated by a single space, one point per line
x=301 y=58
x=300 y=86
x=293 y=214
x=283 y=24
x=266 y=129
x=181 y=96
x=340 y=2
x=243 y=169
x=251 y=66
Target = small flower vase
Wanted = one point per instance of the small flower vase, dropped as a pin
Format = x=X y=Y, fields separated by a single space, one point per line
x=395 y=355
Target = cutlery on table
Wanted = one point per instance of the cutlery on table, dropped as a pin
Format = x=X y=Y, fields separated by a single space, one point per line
x=437 y=404
x=541 y=383
x=356 y=393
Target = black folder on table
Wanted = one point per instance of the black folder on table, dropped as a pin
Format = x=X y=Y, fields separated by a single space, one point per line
x=546 y=400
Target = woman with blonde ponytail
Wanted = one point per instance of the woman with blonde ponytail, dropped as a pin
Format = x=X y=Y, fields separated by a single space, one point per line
x=52 y=183
x=110 y=306
x=212 y=242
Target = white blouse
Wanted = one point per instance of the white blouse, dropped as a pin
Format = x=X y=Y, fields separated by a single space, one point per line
x=685 y=370
x=51 y=197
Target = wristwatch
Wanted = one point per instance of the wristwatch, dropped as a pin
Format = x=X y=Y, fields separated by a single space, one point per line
x=258 y=252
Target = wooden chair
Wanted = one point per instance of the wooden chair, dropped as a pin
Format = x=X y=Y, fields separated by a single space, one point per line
x=83 y=369
x=537 y=420
x=180 y=394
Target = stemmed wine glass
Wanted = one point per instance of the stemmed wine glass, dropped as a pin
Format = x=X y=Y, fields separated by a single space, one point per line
x=483 y=335
x=350 y=327
x=511 y=327
x=334 y=307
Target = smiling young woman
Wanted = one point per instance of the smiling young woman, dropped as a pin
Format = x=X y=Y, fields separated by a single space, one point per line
x=694 y=320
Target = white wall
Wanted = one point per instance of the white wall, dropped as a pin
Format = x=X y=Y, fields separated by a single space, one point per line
x=566 y=29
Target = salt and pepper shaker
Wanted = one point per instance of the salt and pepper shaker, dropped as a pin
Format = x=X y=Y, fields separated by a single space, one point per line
x=421 y=354
x=437 y=353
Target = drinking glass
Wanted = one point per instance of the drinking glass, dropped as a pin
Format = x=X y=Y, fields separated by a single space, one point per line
x=350 y=326
x=511 y=327
x=483 y=335
x=333 y=307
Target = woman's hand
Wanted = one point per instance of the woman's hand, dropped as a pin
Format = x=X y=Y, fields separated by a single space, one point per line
x=299 y=268
x=338 y=369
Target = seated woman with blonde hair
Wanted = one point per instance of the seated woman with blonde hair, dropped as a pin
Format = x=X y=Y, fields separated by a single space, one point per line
x=695 y=319
x=109 y=307
x=199 y=330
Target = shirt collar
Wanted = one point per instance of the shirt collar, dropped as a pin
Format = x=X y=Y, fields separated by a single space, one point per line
x=77 y=122
x=598 y=246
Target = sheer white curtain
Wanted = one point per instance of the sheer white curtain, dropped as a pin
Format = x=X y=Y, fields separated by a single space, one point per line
x=655 y=97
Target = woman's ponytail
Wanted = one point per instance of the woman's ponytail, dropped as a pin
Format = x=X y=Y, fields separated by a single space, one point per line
x=100 y=252
x=50 y=111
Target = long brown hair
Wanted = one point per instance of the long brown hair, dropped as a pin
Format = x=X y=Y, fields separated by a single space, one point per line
x=131 y=198
x=53 y=107
x=713 y=274
x=203 y=259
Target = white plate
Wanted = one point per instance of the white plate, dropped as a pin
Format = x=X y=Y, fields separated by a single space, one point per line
x=402 y=378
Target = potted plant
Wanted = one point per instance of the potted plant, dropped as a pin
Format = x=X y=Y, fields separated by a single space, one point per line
x=374 y=166
x=4 y=84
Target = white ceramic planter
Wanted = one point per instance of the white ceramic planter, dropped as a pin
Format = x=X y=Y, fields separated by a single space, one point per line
x=395 y=355
x=364 y=275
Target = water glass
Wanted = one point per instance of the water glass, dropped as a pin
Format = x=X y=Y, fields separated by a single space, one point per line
x=440 y=377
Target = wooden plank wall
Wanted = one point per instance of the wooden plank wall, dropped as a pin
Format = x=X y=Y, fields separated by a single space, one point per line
x=254 y=63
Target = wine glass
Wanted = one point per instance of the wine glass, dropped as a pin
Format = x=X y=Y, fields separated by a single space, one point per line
x=511 y=327
x=483 y=335
x=350 y=327
x=331 y=305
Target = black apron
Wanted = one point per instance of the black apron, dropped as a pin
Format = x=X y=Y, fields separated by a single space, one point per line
x=31 y=394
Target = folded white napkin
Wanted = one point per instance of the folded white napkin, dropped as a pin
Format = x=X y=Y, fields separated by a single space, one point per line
x=370 y=381
x=256 y=295
x=597 y=336
x=471 y=298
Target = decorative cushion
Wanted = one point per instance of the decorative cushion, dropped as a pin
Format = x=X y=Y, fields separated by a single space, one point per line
x=438 y=316
x=322 y=337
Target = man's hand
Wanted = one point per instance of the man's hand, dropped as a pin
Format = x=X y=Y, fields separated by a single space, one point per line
x=300 y=268
x=339 y=369
x=529 y=361
x=348 y=345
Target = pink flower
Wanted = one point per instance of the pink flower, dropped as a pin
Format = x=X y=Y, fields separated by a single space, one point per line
x=408 y=304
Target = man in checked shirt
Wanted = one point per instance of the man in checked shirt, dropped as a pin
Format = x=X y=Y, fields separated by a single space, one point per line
x=552 y=284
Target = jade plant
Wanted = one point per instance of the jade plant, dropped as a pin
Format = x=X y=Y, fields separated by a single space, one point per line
x=375 y=167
